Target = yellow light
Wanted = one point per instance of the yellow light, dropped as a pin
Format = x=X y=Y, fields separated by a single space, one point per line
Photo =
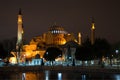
x=79 y=34
x=69 y=34
x=13 y=60
x=22 y=31
x=64 y=42
x=93 y=26
x=19 y=20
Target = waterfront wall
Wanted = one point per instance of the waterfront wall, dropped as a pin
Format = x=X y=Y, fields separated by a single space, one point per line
x=77 y=69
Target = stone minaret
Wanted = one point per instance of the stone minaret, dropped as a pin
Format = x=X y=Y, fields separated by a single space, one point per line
x=79 y=38
x=19 y=36
x=92 y=32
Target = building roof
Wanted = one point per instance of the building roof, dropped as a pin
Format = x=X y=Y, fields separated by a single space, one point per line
x=71 y=44
x=57 y=29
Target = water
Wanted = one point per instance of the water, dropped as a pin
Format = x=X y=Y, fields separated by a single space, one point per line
x=51 y=75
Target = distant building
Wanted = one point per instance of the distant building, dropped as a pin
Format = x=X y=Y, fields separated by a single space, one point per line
x=56 y=36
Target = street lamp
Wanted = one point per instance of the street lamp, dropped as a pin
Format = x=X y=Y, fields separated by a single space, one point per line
x=117 y=52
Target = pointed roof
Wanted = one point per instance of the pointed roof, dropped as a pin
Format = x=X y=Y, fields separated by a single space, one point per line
x=92 y=19
x=20 y=11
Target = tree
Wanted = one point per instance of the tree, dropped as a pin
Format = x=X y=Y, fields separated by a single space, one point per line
x=2 y=55
x=52 y=53
x=84 y=52
x=6 y=46
x=102 y=48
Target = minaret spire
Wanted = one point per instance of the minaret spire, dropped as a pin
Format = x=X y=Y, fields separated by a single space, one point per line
x=19 y=35
x=20 y=27
x=92 y=31
x=20 y=11
x=79 y=38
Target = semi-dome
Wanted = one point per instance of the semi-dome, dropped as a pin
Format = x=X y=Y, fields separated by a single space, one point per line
x=59 y=40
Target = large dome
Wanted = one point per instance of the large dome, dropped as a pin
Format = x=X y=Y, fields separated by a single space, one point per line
x=57 y=30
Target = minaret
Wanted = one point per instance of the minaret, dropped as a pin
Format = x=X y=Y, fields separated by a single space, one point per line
x=92 y=32
x=19 y=35
x=79 y=38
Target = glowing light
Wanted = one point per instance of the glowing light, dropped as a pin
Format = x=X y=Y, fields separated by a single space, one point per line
x=23 y=76
x=93 y=26
x=83 y=77
x=46 y=75
x=79 y=34
x=13 y=60
x=59 y=76
x=19 y=20
x=117 y=77
x=117 y=51
x=59 y=59
x=69 y=34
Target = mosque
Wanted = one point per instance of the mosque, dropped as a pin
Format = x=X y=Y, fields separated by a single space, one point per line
x=56 y=36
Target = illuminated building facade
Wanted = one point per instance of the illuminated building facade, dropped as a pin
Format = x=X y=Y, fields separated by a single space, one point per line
x=55 y=36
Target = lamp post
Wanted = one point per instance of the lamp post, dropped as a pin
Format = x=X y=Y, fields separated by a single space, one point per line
x=117 y=52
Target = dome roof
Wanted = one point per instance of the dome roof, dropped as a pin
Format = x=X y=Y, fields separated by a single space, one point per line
x=57 y=29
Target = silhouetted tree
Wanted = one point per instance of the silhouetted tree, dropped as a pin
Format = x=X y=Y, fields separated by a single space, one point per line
x=6 y=46
x=2 y=55
x=102 y=48
x=52 y=53
x=84 y=52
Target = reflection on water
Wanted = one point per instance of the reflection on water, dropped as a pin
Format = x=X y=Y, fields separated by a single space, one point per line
x=46 y=75
x=29 y=76
x=117 y=77
x=51 y=75
x=33 y=76
x=59 y=76
x=23 y=76
x=83 y=77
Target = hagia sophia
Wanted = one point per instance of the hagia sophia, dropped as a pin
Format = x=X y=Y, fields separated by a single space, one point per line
x=56 y=36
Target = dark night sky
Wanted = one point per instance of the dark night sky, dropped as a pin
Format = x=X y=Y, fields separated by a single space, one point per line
x=73 y=15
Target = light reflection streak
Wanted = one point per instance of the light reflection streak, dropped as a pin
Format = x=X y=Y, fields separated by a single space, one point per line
x=59 y=76
x=46 y=75
x=117 y=77
x=83 y=77
x=23 y=76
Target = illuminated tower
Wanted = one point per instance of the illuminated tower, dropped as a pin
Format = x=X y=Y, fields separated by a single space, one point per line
x=93 y=32
x=79 y=38
x=19 y=35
